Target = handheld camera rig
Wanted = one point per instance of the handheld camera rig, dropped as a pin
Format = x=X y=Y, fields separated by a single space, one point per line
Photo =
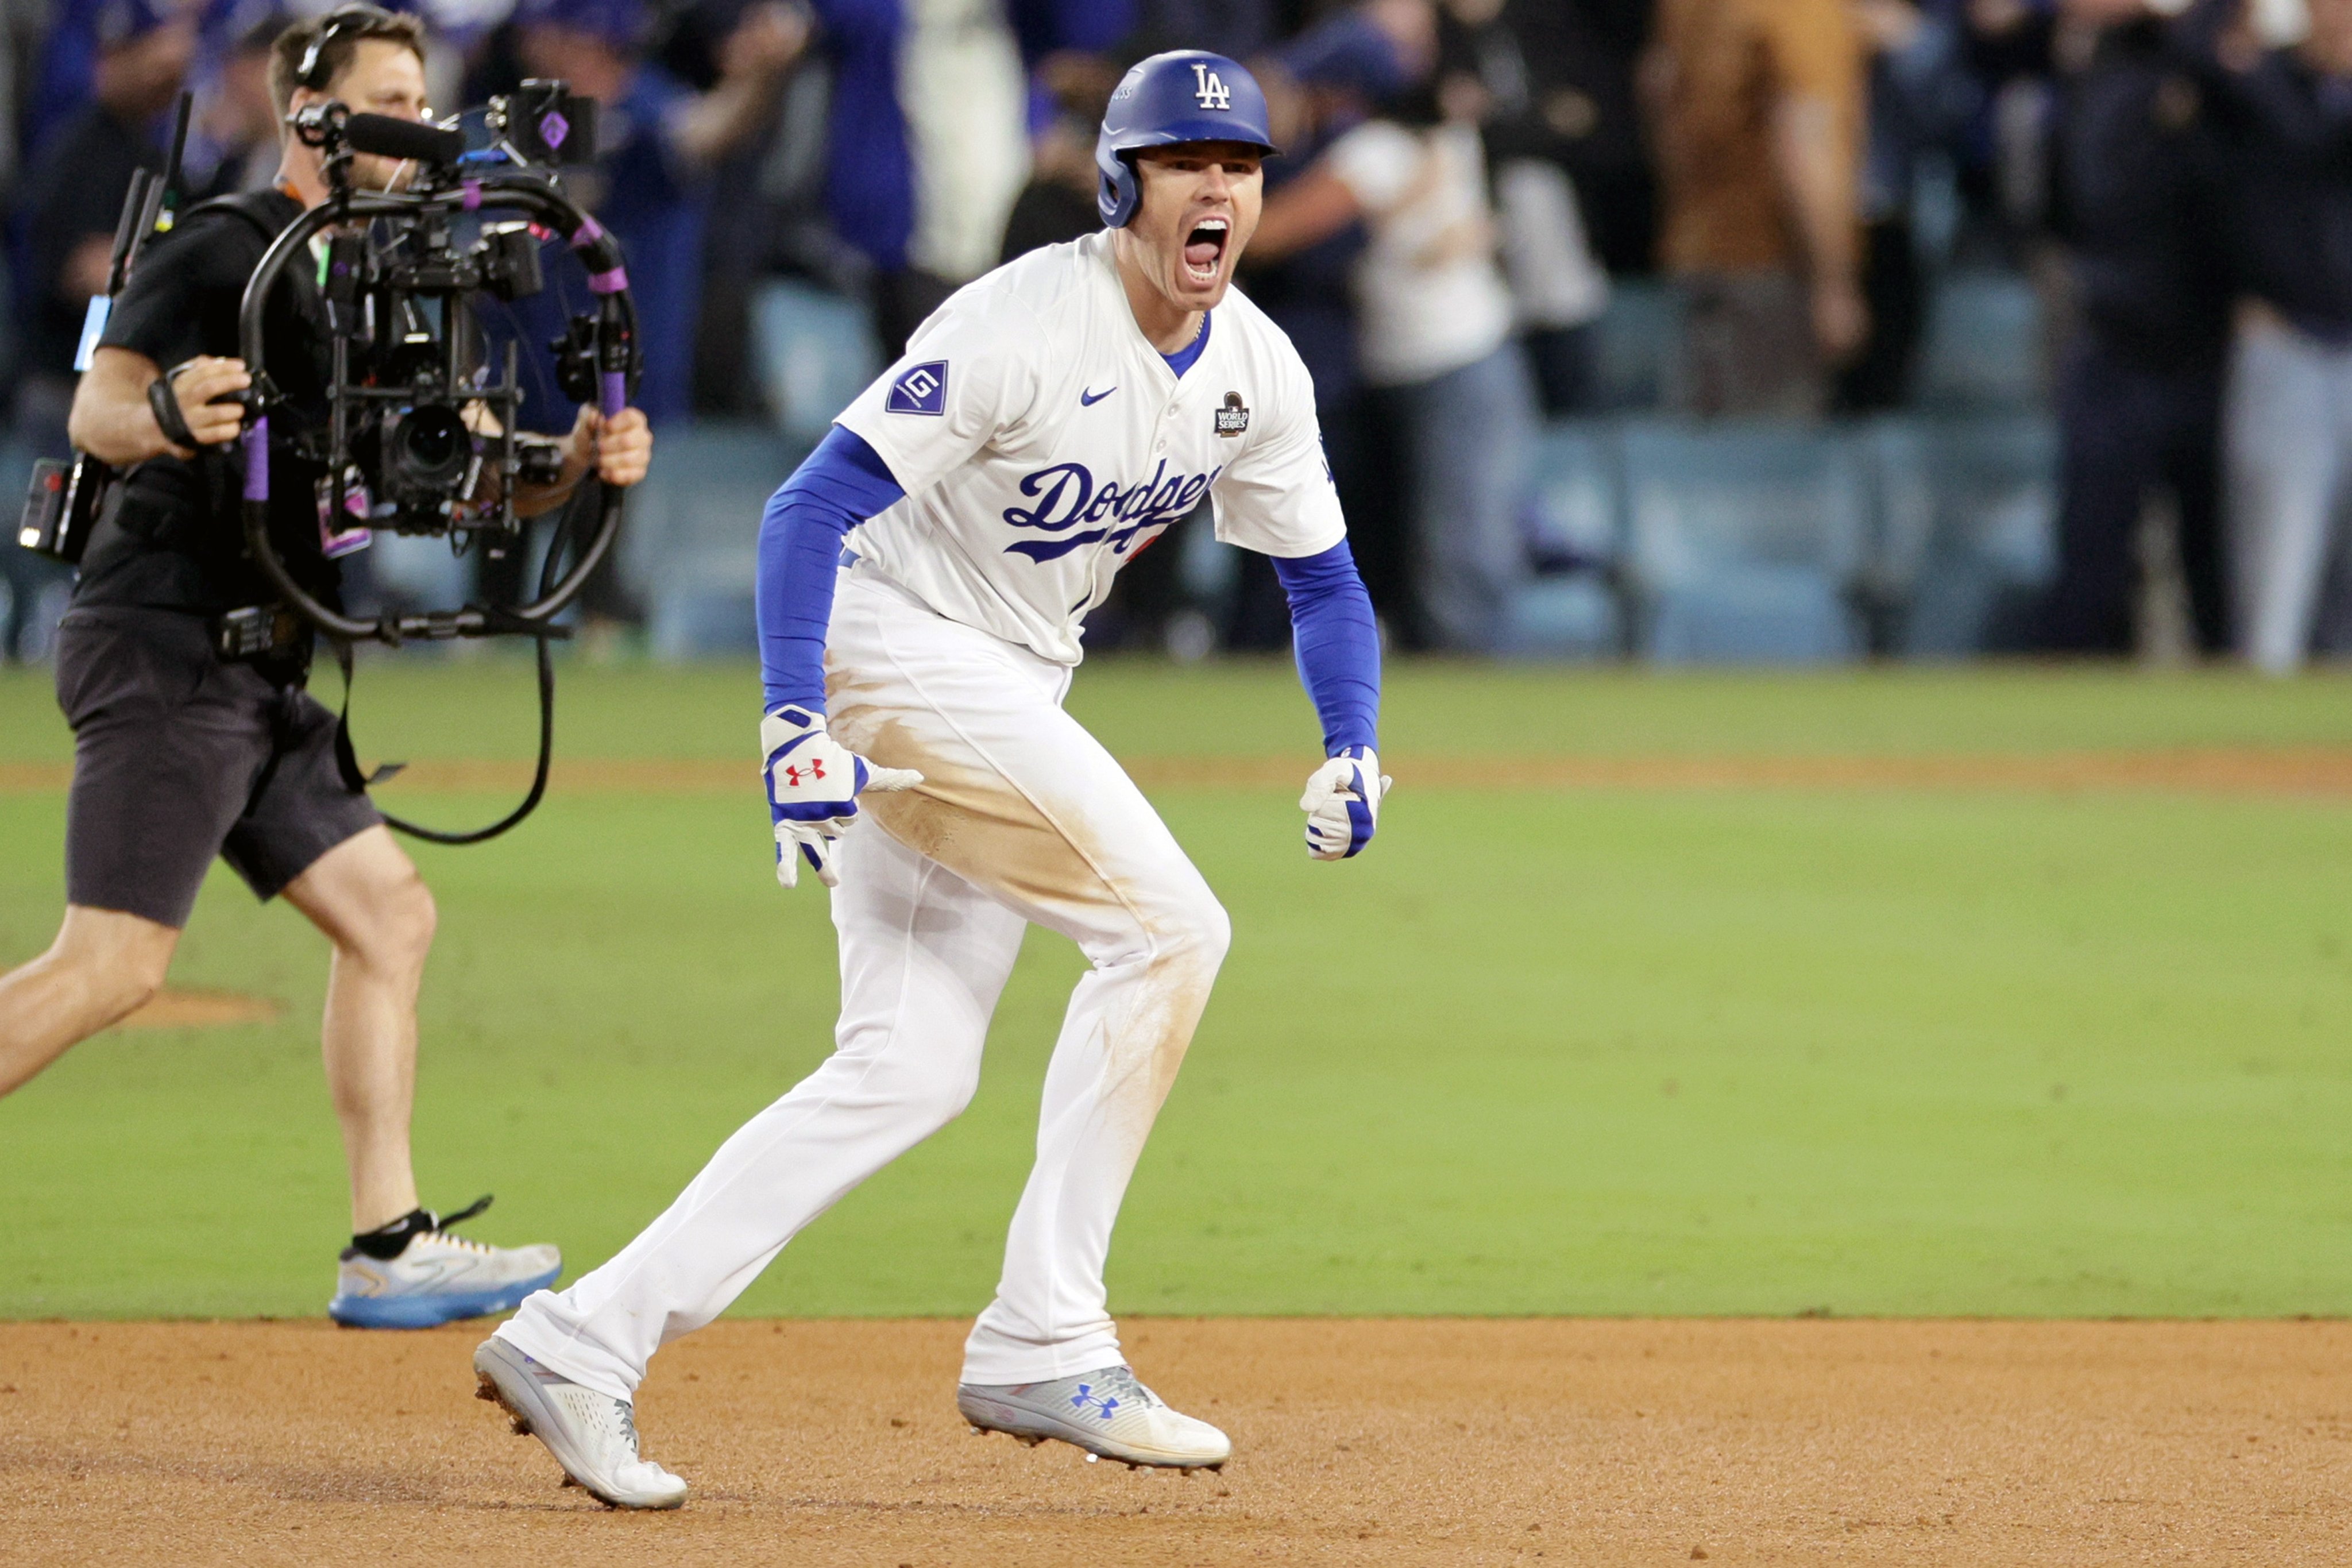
x=420 y=436
x=414 y=417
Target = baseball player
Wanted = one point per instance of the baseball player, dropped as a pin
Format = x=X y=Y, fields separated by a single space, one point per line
x=1044 y=426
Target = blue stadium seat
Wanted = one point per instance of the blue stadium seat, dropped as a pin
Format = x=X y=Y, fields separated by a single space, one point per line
x=1575 y=520
x=1209 y=569
x=1575 y=493
x=1967 y=536
x=1746 y=541
x=1565 y=617
x=1985 y=349
x=704 y=611
x=815 y=352
x=1635 y=344
x=690 y=549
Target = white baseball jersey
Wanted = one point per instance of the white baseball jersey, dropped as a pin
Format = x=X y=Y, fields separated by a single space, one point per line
x=1042 y=441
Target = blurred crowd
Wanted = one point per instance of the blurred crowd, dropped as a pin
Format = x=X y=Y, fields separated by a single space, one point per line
x=1465 y=183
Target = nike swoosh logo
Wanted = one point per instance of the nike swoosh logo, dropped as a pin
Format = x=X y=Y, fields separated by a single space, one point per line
x=1088 y=399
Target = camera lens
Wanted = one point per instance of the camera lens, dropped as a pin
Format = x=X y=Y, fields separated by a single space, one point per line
x=430 y=447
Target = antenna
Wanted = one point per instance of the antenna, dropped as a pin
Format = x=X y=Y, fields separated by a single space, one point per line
x=151 y=206
x=179 y=140
x=126 y=231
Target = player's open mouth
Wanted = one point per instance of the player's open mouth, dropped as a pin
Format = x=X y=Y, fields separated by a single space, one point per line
x=1204 y=248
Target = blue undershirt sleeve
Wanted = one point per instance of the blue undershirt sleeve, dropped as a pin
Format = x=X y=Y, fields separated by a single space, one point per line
x=1338 y=644
x=843 y=482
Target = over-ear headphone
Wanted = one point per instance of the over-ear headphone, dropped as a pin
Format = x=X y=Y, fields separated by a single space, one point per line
x=314 y=72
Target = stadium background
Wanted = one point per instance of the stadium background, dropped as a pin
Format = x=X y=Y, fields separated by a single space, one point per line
x=1755 y=934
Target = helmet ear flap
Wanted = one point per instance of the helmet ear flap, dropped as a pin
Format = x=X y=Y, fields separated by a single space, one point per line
x=1121 y=193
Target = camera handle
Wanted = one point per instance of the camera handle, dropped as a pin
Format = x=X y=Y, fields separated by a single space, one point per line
x=347 y=760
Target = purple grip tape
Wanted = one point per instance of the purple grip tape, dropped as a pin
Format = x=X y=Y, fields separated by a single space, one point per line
x=611 y=392
x=256 y=460
x=611 y=282
x=471 y=199
x=589 y=232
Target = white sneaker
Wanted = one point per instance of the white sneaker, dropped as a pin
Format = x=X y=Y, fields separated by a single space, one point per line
x=593 y=1435
x=1107 y=1413
x=439 y=1278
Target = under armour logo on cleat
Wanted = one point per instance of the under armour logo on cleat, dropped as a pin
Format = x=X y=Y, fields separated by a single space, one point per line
x=1085 y=1399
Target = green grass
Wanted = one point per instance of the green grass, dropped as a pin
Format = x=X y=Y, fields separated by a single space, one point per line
x=1605 y=1052
x=425 y=707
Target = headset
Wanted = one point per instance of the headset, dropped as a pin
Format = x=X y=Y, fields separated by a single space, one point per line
x=314 y=72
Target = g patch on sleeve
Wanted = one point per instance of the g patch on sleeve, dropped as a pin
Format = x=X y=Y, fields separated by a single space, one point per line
x=920 y=389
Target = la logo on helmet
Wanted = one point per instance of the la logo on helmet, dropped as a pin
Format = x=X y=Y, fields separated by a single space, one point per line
x=1209 y=88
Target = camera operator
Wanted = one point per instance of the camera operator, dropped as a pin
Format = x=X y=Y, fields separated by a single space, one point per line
x=180 y=755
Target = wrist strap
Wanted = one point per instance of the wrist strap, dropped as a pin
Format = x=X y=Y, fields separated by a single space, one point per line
x=168 y=417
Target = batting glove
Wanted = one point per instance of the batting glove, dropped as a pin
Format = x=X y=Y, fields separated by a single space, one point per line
x=813 y=783
x=1342 y=804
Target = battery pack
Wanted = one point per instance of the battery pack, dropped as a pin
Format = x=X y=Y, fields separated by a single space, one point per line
x=61 y=507
x=259 y=632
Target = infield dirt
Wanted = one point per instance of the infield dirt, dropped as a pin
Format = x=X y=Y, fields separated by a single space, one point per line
x=1355 y=1441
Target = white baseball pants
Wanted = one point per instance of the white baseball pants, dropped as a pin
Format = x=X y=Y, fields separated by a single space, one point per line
x=1023 y=816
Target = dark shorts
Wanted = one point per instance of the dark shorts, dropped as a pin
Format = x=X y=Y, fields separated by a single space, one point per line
x=179 y=757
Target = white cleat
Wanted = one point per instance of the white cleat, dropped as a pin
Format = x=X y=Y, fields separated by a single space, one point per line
x=1107 y=1413
x=438 y=1278
x=593 y=1435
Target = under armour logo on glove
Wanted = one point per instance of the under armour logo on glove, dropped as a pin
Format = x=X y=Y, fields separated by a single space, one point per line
x=1342 y=804
x=813 y=783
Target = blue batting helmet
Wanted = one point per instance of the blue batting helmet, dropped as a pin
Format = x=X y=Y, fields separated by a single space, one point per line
x=1185 y=95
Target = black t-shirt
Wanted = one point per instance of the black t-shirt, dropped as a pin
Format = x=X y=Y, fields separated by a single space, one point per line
x=73 y=194
x=1049 y=212
x=177 y=541
x=2137 y=196
x=2289 y=181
